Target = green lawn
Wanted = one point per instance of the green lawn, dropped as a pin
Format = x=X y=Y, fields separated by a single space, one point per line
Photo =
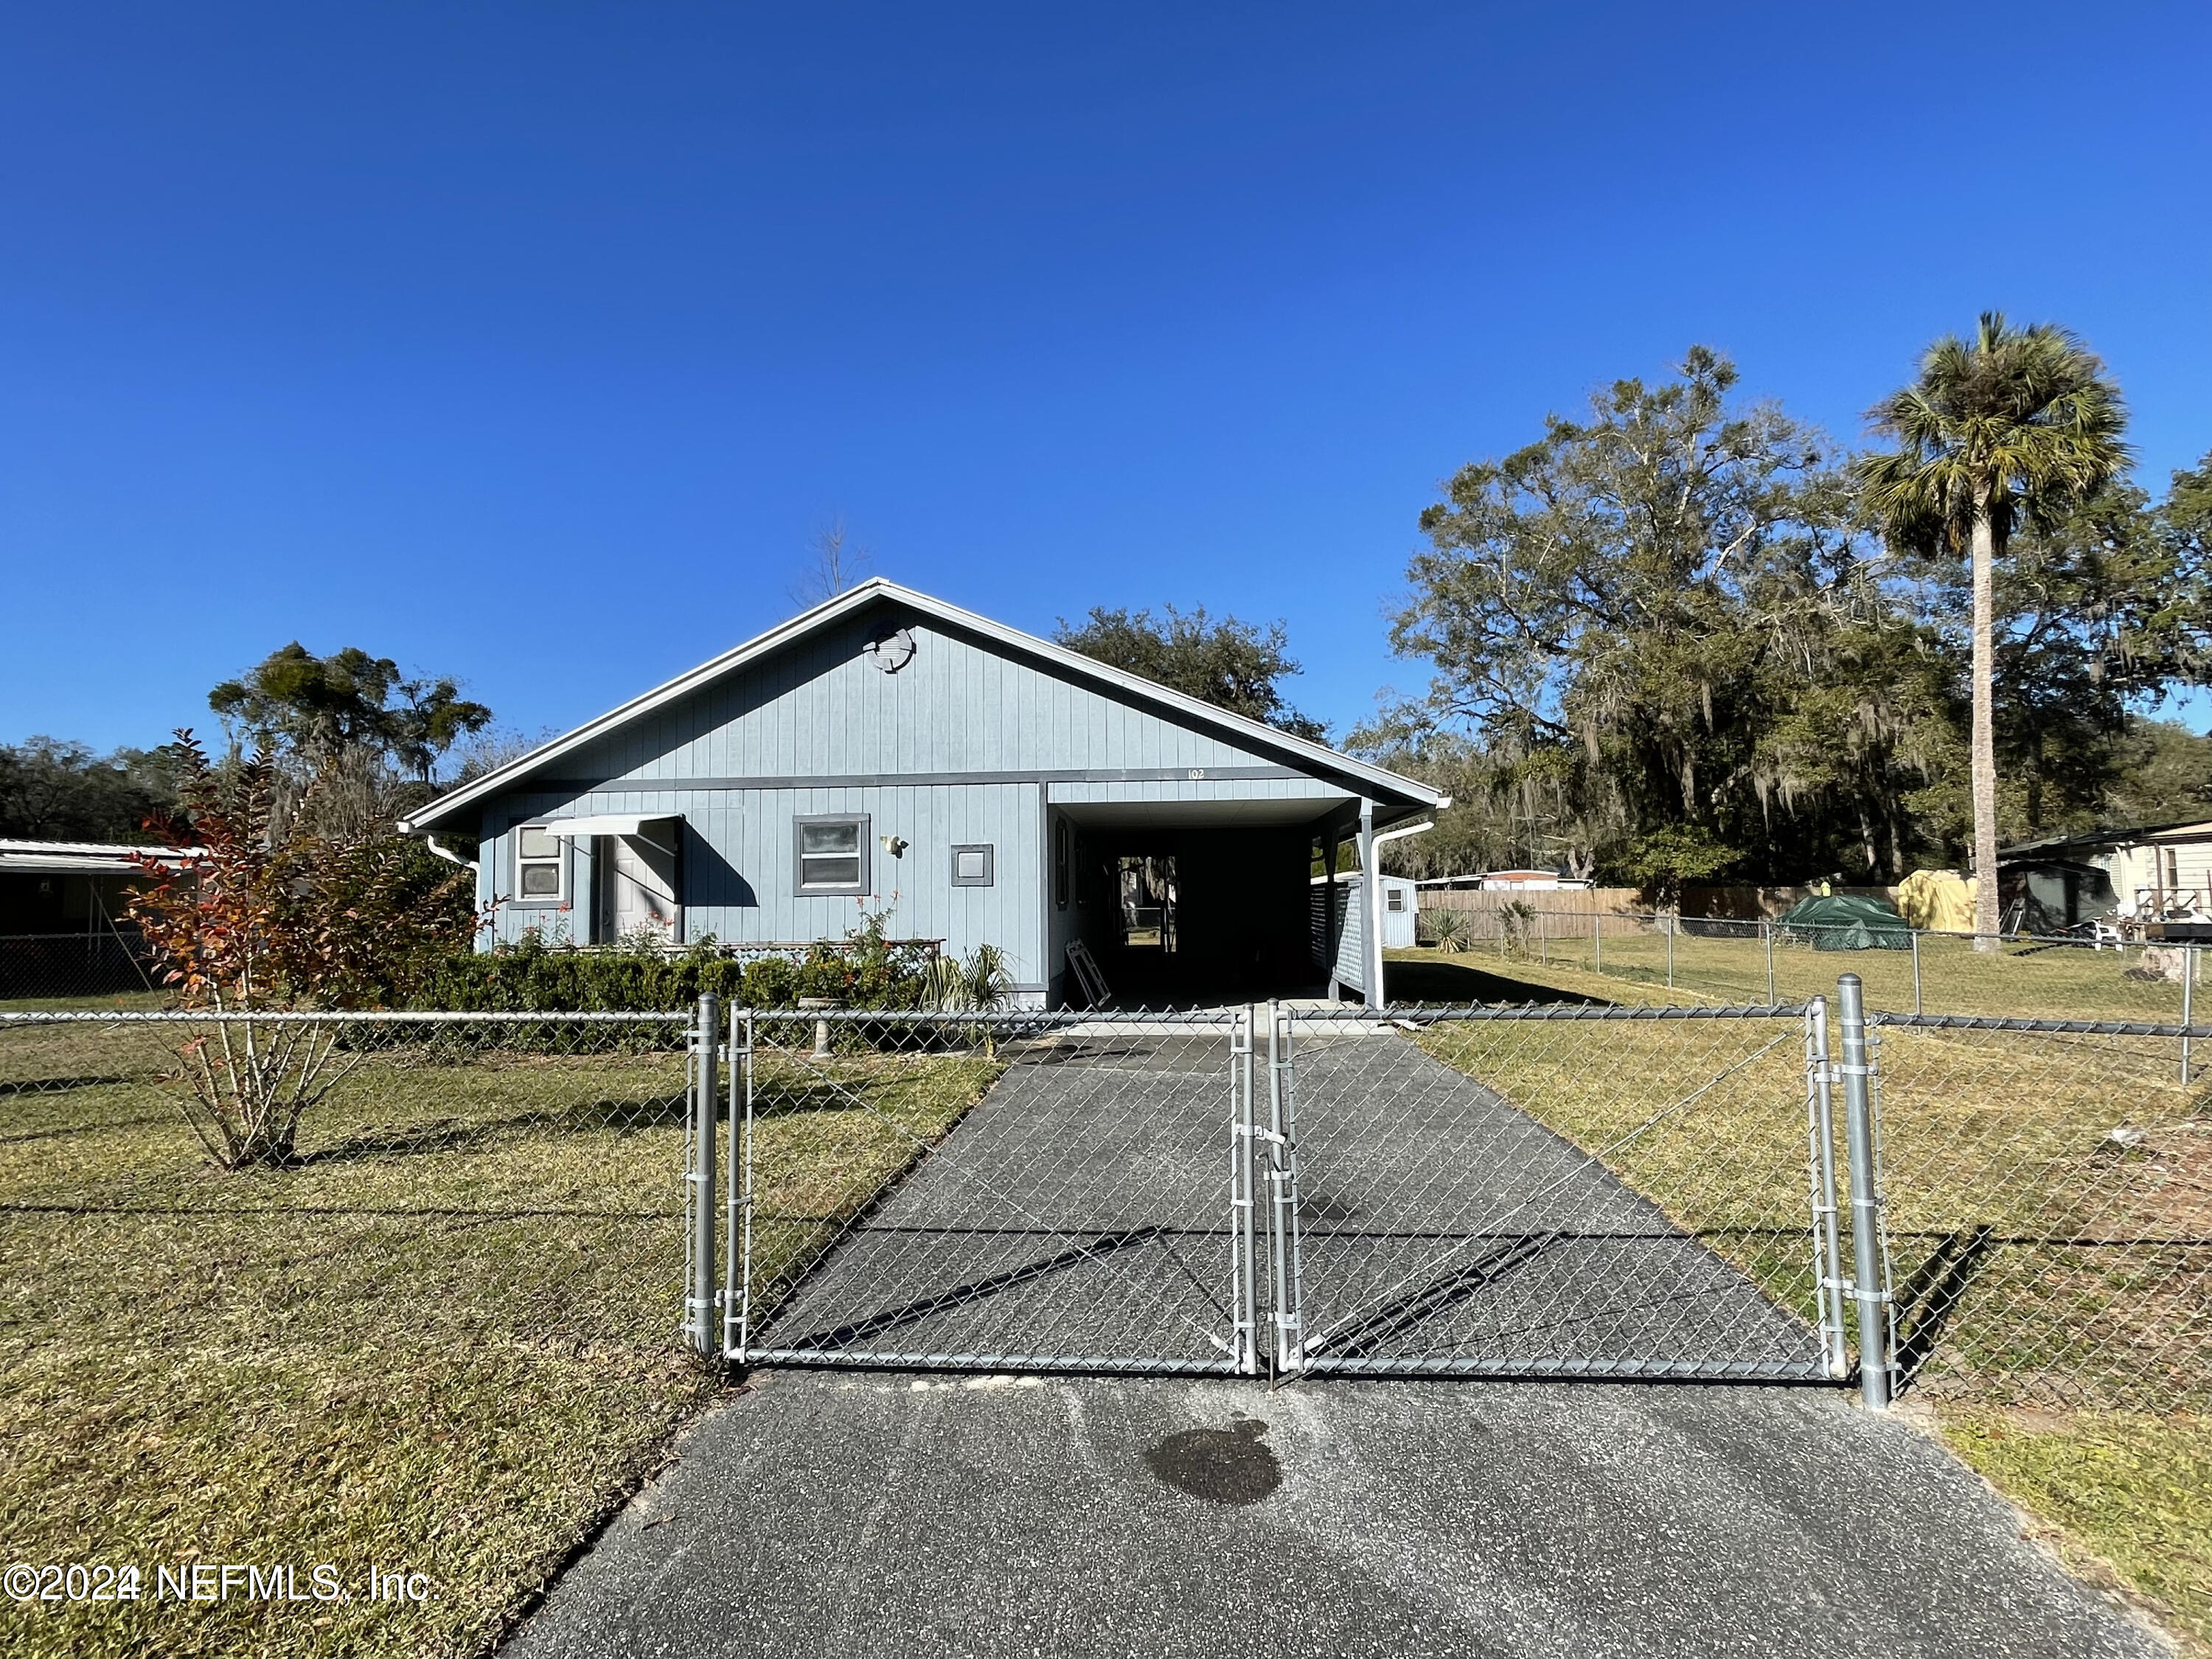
x=445 y=1344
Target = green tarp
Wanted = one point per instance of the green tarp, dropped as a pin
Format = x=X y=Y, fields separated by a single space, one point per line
x=1842 y=922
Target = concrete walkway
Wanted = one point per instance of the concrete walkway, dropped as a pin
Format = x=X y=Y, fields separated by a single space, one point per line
x=879 y=1515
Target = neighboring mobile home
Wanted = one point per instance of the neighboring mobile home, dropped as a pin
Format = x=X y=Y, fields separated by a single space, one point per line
x=2140 y=874
x=887 y=753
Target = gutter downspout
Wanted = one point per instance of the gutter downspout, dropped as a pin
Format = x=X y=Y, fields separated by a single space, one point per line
x=431 y=841
x=1373 y=867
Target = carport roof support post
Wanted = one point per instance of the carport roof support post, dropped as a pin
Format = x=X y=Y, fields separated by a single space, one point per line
x=1370 y=868
x=1370 y=859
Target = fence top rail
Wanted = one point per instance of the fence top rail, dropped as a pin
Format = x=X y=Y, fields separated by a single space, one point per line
x=125 y=931
x=2054 y=1027
x=1434 y=1013
x=325 y=1016
x=1021 y=1020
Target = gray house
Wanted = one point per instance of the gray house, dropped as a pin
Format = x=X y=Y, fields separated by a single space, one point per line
x=886 y=753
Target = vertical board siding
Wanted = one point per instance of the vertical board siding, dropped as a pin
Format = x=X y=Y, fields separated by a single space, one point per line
x=820 y=708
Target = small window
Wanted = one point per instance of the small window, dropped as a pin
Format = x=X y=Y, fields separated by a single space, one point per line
x=540 y=870
x=830 y=853
x=1393 y=898
x=972 y=867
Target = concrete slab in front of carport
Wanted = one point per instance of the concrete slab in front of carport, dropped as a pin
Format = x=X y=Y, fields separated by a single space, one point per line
x=873 y=1514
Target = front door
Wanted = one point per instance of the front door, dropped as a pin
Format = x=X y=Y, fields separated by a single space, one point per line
x=636 y=881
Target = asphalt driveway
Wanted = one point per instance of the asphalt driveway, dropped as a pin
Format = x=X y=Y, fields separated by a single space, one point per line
x=873 y=1514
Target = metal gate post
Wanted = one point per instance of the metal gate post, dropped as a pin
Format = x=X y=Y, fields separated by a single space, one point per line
x=706 y=1043
x=1282 y=1178
x=738 y=1199
x=2188 y=1005
x=1667 y=922
x=1870 y=1279
x=1827 y=1244
x=1916 y=971
x=1244 y=1292
x=1766 y=933
x=1597 y=946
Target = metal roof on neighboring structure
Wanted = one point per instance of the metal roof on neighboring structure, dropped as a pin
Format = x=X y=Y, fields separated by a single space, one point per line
x=2176 y=830
x=82 y=857
x=1311 y=757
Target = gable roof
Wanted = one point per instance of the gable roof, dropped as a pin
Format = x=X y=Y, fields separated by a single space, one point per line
x=1310 y=757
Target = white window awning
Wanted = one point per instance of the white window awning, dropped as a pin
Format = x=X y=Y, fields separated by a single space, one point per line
x=643 y=826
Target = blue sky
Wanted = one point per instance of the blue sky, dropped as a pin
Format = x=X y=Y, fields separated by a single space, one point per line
x=531 y=343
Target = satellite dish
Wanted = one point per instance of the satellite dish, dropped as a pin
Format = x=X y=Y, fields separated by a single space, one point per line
x=892 y=654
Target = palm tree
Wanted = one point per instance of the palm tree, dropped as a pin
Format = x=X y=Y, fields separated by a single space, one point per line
x=2023 y=422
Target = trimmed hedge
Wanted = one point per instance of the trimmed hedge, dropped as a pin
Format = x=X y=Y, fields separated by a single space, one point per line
x=864 y=971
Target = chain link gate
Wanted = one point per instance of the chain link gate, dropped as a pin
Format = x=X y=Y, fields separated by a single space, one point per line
x=1027 y=1192
x=1558 y=1192
x=1563 y=1192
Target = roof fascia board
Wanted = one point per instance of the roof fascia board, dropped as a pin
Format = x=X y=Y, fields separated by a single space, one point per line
x=1317 y=756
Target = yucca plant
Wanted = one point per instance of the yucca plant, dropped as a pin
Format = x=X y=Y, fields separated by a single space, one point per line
x=1446 y=928
x=979 y=982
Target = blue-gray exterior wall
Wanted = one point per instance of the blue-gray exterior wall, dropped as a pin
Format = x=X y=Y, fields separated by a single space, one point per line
x=964 y=744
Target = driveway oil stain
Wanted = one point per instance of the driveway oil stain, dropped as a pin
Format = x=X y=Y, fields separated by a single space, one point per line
x=1222 y=1466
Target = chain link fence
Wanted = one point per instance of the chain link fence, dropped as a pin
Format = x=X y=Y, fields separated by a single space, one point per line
x=2047 y=1191
x=1906 y=970
x=107 y=966
x=1568 y=1190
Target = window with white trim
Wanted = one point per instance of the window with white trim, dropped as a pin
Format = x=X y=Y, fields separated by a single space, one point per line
x=1393 y=898
x=830 y=852
x=540 y=867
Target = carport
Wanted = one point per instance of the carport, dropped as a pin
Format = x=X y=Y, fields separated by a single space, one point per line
x=1208 y=901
